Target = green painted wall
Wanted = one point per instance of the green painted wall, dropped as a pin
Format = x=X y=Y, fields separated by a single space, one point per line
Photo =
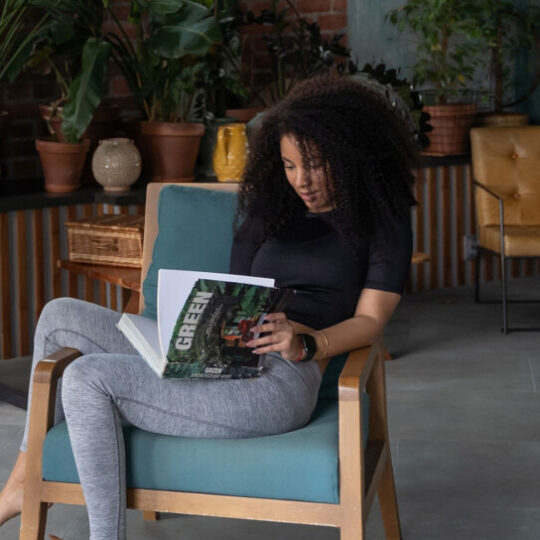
x=373 y=39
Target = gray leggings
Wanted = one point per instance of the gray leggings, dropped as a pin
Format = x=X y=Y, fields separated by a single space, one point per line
x=110 y=381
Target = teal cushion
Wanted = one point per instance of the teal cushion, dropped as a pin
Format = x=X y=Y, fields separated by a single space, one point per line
x=195 y=233
x=301 y=465
x=329 y=383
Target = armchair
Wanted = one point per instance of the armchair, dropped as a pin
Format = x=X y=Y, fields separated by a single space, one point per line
x=326 y=473
x=506 y=161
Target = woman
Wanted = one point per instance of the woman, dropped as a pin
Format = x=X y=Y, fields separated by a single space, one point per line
x=326 y=200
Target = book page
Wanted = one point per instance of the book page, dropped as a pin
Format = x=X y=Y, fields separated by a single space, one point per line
x=174 y=287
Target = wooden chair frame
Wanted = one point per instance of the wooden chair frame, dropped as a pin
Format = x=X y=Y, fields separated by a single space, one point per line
x=364 y=471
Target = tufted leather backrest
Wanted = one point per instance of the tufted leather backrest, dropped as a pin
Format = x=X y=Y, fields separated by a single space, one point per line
x=507 y=161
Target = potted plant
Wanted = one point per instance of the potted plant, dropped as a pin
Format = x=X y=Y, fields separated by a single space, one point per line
x=163 y=70
x=508 y=30
x=448 y=54
x=69 y=46
x=63 y=161
x=13 y=42
x=296 y=49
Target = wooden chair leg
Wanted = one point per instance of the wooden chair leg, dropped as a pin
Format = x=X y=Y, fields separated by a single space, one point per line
x=33 y=520
x=149 y=515
x=388 y=503
x=352 y=531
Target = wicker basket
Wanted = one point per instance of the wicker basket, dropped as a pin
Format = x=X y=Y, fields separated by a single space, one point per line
x=111 y=240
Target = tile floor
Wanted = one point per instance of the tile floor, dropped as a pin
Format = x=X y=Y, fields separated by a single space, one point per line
x=464 y=416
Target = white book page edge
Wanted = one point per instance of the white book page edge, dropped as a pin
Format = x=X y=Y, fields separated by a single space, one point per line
x=174 y=287
x=142 y=333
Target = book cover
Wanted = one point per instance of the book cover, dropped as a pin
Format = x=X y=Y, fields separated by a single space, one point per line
x=204 y=321
x=210 y=335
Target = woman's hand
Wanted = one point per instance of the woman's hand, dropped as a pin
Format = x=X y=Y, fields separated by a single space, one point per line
x=278 y=336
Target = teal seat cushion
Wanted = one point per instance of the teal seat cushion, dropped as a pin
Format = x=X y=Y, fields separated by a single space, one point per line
x=195 y=233
x=301 y=465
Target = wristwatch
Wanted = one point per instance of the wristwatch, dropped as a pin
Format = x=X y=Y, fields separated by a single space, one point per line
x=309 y=345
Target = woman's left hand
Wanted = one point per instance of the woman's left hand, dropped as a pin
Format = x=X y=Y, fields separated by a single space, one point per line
x=278 y=336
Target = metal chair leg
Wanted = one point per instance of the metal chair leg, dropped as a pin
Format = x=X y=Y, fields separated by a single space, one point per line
x=504 y=303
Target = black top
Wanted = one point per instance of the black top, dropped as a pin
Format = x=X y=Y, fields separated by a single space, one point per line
x=313 y=258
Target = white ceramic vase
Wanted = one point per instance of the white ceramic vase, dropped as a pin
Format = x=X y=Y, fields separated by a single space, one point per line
x=116 y=164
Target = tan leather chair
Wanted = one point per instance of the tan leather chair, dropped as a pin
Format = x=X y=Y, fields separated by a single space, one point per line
x=506 y=170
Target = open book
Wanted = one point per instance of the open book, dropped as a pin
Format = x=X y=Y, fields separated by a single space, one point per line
x=203 y=323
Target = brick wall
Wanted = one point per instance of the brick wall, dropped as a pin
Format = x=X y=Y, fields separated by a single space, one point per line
x=331 y=15
x=18 y=156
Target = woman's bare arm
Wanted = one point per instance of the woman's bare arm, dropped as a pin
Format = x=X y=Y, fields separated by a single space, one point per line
x=373 y=310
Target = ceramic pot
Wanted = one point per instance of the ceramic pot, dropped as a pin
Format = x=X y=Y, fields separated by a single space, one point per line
x=244 y=115
x=205 y=158
x=62 y=164
x=451 y=126
x=505 y=119
x=101 y=127
x=116 y=164
x=230 y=154
x=173 y=149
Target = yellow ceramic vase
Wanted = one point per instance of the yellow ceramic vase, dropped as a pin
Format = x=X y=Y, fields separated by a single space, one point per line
x=230 y=153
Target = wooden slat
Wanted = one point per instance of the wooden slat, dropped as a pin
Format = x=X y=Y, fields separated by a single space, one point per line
x=460 y=225
x=102 y=287
x=54 y=218
x=22 y=290
x=88 y=283
x=39 y=263
x=472 y=222
x=529 y=267
x=433 y=241
x=446 y=227
x=5 y=289
x=72 y=278
x=420 y=184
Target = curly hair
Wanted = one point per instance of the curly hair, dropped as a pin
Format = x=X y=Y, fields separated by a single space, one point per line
x=366 y=146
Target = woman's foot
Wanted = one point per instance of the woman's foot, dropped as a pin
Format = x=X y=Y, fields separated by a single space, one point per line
x=11 y=500
x=11 y=497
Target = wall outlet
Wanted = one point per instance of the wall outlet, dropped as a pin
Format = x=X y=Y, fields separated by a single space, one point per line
x=470 y=247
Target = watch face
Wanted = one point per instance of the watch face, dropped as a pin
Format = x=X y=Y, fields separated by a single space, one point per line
x=310 y=346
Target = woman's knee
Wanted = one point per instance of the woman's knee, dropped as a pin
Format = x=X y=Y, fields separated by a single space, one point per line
x=60 y=309
x=83 y=372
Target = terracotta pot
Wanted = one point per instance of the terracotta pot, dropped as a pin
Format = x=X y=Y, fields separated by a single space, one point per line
x=101 y=127
x=505 y=119
x=451 y=126
x=62 y=164
x=243 y=115
x=173 y=149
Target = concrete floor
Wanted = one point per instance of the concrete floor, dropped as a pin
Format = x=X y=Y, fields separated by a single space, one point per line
x=464 y=416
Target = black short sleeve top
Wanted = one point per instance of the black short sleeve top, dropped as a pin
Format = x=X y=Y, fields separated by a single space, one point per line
x=314 y=258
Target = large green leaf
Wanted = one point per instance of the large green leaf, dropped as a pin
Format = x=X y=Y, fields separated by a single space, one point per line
x=87 y=89
x=164 y=7
x=186 y=38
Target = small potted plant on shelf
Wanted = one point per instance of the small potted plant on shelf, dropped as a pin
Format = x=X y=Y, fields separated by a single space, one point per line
x=508 y=30
x=13 y=41
x=449 y=52
x=164 y=71
x=70 y=47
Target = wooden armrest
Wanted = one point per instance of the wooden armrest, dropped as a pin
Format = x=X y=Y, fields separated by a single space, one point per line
x=356 y=372
x=50 y=368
